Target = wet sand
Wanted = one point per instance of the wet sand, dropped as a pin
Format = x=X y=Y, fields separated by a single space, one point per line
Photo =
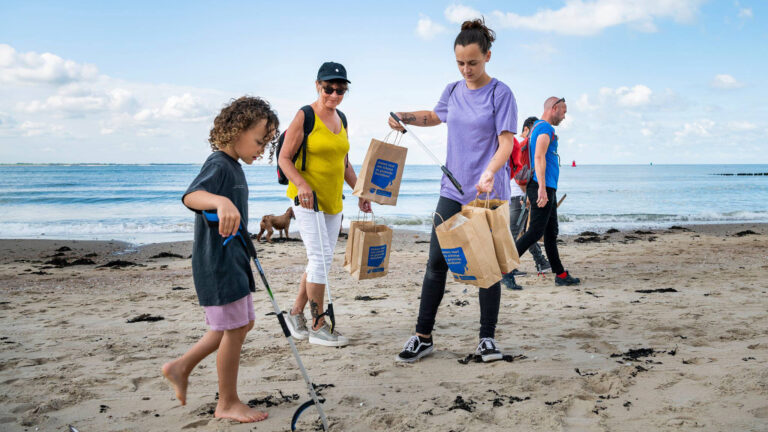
x=689 y=353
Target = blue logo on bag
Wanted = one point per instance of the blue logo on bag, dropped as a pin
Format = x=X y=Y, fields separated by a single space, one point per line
x=457 y=262
x=384 y=173
x=376 y=255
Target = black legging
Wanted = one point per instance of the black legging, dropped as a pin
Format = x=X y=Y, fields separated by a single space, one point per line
x=433 y=288
x=543 y=222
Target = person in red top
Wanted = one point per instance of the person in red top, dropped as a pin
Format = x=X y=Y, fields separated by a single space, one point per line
x=517 y=206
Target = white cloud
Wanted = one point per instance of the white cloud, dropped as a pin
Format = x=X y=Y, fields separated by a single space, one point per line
x=458 y=13
x=78 y=99
x=586 y=18
x=583 y=103
x=726 y=82
x=744 y=12
x=741 y=126
x=636 y=96
x=29 y=129
x=701 y=129
x=47 y=98
x=183 y=108
x=34 y=68
x=428 y=29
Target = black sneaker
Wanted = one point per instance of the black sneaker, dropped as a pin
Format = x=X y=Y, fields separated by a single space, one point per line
x=509 y=282
x=568 y=280
x=488 y=351
x=415 y=349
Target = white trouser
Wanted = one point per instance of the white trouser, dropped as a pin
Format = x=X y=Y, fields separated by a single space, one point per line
x=308 y=228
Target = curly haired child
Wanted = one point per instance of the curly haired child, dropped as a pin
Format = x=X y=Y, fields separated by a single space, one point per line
x=222 y=275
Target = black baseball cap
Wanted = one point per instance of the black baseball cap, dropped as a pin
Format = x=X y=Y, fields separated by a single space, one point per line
x=331 y=71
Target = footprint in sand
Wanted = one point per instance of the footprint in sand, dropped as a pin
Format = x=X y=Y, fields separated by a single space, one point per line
x=136 y=383
x=195 y=424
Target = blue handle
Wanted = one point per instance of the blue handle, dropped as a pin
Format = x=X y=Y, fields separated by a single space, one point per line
x=213 y=219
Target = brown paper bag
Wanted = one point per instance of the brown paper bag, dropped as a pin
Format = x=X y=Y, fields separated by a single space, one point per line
x=349 y=263
x=371 y=251
x=497 y=214
x=467 y=246
x=381 y=173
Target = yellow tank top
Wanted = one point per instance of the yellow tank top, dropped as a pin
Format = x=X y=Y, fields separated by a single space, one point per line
x=325 y=166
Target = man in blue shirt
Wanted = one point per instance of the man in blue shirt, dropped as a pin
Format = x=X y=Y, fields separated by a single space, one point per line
x=542 y=189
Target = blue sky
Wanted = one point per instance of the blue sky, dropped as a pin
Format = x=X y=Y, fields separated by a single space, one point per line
x=663 y=81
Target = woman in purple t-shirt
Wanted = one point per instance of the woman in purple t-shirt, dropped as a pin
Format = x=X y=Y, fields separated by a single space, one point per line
x=481 y=115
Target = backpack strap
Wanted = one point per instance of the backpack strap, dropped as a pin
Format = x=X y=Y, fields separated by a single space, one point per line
x=493 y=98
x=453 y=88
x=344 y=122
x=343 y=118
x=309 y=124
x=530 y=144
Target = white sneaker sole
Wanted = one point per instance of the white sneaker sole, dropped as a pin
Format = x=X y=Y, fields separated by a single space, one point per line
x=422 y=354
x=323 y=342
x=294 y=333
x=298 y=336
x=492 y=357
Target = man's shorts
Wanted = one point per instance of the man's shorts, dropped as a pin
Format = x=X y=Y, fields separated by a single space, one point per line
x=231 y=315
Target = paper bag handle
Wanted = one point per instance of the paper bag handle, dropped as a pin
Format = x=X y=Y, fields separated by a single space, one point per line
x=433 y=218
x=395 y=140
x=373 y=218
x=487 y=197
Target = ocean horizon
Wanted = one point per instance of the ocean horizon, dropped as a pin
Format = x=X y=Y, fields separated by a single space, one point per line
x=141 y=203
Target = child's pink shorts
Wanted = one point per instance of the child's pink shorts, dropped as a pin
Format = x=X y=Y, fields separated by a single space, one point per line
x=231 y=315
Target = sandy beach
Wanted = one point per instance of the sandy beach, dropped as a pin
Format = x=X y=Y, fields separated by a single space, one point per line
x=690 y=353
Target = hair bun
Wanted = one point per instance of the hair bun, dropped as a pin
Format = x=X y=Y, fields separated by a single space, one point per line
x=475 y=31
x=479 y=24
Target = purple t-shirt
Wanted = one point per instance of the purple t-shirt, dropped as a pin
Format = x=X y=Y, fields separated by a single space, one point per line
x=473 y=135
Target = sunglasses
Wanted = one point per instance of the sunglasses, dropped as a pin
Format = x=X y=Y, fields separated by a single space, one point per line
x=558 y=101
x=339 y=91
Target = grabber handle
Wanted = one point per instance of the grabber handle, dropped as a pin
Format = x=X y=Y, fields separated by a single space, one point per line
x=314 y=201
x=211 y=217
x=397 y=119
x=453 y=180
x=281 y=318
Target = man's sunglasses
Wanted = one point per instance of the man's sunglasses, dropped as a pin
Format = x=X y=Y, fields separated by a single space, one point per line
x=558 y=101
x=339 y=91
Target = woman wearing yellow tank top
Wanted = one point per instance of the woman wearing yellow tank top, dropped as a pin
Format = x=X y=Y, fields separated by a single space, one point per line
x=327 y=167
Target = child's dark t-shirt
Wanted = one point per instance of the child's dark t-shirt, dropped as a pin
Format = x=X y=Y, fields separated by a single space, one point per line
x=222 y=274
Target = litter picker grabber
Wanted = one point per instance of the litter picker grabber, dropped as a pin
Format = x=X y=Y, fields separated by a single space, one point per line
x=561 y=200
x=446 y=171
x=329 y=310
x=526 y=210
x=212 y=219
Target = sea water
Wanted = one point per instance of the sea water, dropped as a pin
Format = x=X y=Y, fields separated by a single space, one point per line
x=142 y=203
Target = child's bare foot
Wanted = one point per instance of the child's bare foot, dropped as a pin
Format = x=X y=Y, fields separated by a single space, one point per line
x=239 y=412
x=178 y=379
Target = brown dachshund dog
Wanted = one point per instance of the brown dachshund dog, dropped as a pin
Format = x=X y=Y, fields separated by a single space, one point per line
x=280 y=223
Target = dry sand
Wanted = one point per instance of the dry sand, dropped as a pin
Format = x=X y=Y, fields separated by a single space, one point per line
x=68 y=355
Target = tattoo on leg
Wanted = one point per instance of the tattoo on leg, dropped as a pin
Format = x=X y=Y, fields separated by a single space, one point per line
x=409 y=118
x=425 y=120
x=314 y=309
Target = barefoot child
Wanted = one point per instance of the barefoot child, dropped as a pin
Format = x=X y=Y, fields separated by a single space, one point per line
x=222 y=275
